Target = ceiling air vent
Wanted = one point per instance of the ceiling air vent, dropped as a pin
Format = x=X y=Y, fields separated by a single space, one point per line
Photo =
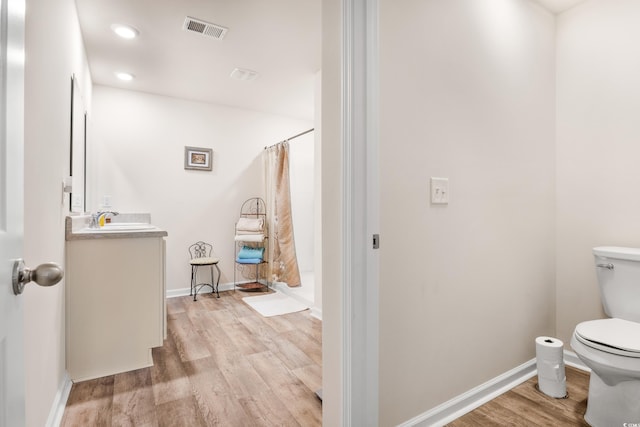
x=205 y=28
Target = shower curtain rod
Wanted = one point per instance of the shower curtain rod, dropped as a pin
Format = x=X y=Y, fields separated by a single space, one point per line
x=293 y=137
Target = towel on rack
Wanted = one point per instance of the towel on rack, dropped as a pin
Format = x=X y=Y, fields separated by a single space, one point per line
x=252 y=225
x=249 y=237
x=249 y=260
x=248 y=252
x=243 y=232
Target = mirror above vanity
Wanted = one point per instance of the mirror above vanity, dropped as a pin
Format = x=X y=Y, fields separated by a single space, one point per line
x=78 y=150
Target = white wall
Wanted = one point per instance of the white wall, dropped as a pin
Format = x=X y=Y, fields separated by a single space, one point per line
x=302 y=178
x=467 y=92
x=597 y=148
x=137 y=157
x=54 y=51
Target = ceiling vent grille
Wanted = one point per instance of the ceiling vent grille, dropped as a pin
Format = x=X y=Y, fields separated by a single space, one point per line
x=205 y=28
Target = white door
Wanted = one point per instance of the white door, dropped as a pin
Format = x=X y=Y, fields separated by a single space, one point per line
x=12 y=412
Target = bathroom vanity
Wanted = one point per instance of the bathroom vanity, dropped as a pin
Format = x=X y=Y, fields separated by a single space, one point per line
x=115 y=295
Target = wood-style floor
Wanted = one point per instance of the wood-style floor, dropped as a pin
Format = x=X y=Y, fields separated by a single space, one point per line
x=525 y=406
x=224 y=364
x=221 y=364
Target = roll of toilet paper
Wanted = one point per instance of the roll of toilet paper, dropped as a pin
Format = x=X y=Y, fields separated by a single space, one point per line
x=550 y=363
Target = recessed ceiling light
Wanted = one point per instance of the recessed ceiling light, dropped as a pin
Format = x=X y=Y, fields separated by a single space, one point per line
x=125 y=31
x=127 y=77
x=244 y=74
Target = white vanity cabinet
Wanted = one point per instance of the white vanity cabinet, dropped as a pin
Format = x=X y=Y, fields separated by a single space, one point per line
x=115 y=302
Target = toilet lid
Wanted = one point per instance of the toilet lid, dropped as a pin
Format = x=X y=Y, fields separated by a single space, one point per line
x=616 y=336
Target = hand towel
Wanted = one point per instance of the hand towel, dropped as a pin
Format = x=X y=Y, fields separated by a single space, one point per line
x=250 y=224
x=238 y=232
x=249 y=237
x=249 y=260
x=248 y=252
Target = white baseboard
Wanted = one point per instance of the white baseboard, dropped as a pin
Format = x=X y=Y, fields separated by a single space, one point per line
x=60 y=402
x=466 y=402
x=316 y=312
x=173 y=293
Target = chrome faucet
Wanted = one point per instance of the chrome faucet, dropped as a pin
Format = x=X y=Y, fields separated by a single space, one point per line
x=105 y=213
x=95 y=218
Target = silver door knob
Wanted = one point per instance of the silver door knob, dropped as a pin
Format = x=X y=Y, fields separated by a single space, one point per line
x=47 y=274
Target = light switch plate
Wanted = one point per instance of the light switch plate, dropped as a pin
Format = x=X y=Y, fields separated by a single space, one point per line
x=439 y=191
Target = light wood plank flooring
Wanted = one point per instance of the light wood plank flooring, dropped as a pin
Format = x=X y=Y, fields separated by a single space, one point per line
x=221 y=364
x=224 y=364
x=525 y=406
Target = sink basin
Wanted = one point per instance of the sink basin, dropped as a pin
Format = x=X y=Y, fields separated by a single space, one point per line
x=122 y=226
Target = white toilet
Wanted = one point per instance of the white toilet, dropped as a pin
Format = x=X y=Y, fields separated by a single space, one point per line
x=611 y=347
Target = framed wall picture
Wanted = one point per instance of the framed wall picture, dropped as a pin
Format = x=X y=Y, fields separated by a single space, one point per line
x=197 y=158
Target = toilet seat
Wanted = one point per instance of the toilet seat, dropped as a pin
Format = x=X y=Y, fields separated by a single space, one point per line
x=616 y=336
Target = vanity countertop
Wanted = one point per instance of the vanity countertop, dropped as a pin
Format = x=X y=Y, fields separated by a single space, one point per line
x=122 y=226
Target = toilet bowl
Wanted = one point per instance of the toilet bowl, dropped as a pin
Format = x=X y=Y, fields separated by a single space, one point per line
x=611 y=347
x=614 y=387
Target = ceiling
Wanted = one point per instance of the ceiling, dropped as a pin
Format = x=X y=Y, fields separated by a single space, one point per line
x=279 y=39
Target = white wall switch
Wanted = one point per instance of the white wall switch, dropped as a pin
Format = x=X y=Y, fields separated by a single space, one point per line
x=439 y=191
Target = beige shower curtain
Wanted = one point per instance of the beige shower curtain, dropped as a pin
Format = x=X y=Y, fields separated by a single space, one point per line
x=283 y=263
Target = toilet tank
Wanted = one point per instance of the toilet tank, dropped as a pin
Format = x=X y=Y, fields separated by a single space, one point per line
x=618 y=271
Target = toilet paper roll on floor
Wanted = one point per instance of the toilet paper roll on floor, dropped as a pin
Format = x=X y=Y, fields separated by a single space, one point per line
x=550 y=364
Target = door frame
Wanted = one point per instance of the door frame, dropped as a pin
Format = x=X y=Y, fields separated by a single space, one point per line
x=360 y=212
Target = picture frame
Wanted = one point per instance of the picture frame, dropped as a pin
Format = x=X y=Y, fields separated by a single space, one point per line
x=198 y=158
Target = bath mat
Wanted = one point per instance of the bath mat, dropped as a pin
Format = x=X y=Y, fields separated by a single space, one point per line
x=274 y=304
